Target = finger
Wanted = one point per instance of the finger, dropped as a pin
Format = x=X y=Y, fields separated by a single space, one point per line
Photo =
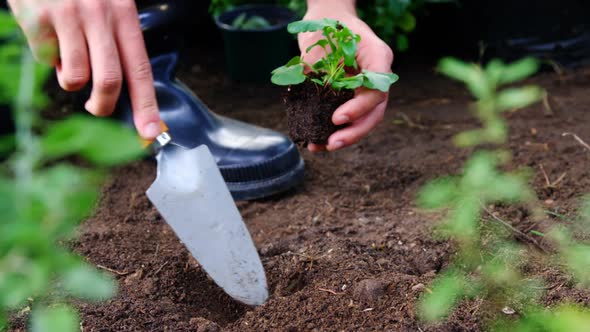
x=136 y=68
x=364 y=102
x=316 y=147
x=375 y=55
x=35 y=21
x=354 y=133
x=73 y=69
x=104 y=57
x=307 y=39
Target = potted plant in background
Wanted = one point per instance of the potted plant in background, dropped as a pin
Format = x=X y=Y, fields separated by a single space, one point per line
x=255 y=37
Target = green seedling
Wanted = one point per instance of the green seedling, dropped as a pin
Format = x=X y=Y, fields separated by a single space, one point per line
x=488 y=261
x=340 y=45
x=43 y=197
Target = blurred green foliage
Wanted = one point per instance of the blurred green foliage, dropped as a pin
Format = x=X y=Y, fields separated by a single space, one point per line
x=488 y=262
x=393 y=20
x=43 y=196
x=484 y=84
x=564 y=318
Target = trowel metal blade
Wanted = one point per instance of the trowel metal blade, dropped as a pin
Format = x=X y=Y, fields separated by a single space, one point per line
x=191 y=195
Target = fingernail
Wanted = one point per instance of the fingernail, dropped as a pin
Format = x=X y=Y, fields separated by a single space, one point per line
x=337 y=145
x=341 y=119
x=151 y=130
x=88 y=106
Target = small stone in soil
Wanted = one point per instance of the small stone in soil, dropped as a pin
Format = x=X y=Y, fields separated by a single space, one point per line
x=508 y=311
x=418 y=287
x=369 y=290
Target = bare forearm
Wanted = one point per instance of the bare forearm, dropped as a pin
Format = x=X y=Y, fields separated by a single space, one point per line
x=345 y=5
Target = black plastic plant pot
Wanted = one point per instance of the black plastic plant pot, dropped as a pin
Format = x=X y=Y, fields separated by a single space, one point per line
x=251 y=54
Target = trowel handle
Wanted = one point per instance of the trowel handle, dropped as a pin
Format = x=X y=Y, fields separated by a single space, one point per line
x=161 y=140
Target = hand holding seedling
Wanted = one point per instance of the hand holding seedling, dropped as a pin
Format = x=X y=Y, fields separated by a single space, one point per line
x=98 y=39
x=367 y=108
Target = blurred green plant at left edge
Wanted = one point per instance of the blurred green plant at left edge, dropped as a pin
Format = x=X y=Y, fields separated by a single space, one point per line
x=43 y=196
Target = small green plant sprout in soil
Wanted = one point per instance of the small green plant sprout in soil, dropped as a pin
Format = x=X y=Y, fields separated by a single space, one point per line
x=313 y=96
x=488 y=265
x=43 y=196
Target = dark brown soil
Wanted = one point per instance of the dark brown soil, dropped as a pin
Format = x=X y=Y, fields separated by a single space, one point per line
x=348 y=250
x=309 y=111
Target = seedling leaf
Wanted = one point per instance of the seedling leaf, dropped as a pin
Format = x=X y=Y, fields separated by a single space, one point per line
x=320 y=65
x=515 y=98
x=294 y=61
x=469 y=74
x=379 y=81
x=351 y=82
x=457 y=70
x=519 y=70
x=288 y=75
x=321 y=43
x=310 y=25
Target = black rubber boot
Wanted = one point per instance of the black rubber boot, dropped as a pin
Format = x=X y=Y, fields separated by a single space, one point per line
x=255 y=162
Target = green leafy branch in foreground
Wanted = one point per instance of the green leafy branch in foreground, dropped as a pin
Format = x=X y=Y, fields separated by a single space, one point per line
x=43 y=197
x=488 y=262
x=340 y=45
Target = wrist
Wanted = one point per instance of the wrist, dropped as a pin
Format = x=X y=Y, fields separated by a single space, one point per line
x=347 y=6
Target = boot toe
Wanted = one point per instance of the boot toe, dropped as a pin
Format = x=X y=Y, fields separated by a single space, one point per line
x=255 y=162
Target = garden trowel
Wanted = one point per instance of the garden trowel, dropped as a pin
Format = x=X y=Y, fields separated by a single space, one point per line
x=197 y=204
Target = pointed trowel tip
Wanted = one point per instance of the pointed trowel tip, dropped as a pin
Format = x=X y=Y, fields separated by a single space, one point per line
x=253 y=297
